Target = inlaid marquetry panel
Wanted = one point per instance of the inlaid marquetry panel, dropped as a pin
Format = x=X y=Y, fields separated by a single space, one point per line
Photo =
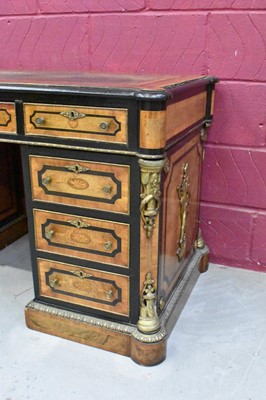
x=84 y=286
x=7 y=118
x=80 y=183
x=89 y=123
x=86 y=238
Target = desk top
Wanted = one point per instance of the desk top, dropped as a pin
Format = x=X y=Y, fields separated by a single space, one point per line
x=101 y=83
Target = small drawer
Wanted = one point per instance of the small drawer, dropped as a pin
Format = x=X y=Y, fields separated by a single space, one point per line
x=87 y=238
x=80 y=183
x=101 y=124
x=85 y=287
x=7 y=118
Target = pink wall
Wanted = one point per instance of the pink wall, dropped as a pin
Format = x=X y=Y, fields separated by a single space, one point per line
x=220 y=37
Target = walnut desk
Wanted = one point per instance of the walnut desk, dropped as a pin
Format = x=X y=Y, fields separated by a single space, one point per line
x=112 y=170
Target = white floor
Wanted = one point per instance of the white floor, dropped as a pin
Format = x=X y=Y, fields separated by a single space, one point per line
x=217 y=350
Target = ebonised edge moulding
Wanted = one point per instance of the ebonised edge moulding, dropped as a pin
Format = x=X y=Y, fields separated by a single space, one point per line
x=112 y=172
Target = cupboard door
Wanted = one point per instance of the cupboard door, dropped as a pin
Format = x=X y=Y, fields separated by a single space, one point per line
x=180 y=213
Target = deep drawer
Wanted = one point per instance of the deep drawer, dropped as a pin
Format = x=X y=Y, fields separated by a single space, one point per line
x=101 y=124
x=83 y=286
x=7 y=118
x=86 y=238
x=80 y=183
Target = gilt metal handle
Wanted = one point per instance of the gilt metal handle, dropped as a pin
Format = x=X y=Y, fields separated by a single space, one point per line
x=108 y=245
x=39 y=120
x=104 y=125
x=46 y=180
x=49 y=233
x=109 y=294
x=107 y=189
x=53 y=282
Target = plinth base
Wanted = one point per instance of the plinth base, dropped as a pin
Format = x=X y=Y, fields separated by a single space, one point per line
x=116 y=337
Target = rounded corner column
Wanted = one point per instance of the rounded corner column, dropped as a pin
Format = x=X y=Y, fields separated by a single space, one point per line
x=148 y=354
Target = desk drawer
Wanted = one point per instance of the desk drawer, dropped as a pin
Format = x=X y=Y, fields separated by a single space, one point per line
x=83 y=286
x=7 y=118
x=80 y=183
x=101 y=124
x=86 y=238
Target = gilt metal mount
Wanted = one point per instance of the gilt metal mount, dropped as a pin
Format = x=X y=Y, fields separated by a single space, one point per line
x=148 y=319
x=77 y=168
x=150 y=193
x=78 y=223
x=72 y=115
x=199 y=242
x=183 y=196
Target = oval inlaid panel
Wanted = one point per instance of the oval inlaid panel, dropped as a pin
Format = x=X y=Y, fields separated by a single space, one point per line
x=86 y=286
x=80 y=237
x=78 y=183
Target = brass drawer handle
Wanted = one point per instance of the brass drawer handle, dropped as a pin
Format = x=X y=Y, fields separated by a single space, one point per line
x=108 y=245
x=109 y=294
x=78 y=223
x=39 y=121
x=107 y=189
x=81 y=274
x=49 y=233
x=72 y=115
x=104 y=125
x=53 y=282
x=46 y=180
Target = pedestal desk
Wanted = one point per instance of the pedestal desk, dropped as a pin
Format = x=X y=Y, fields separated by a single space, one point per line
x=112 y=170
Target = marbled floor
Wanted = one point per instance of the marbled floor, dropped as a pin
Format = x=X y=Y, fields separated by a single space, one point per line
x=217 y=350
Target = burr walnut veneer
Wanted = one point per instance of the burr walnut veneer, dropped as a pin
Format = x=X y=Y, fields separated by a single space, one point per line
x=112 y=170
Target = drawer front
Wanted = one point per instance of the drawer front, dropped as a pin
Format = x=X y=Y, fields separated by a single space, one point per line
x=83 y=286
x=80 y=183
x=7 y=118
x=104 y=125
x=86 y=238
